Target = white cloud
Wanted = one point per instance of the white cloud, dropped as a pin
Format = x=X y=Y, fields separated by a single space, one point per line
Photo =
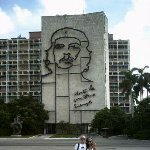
x=61 y=7
x=6 y=24
x=22 y=20
x=25 y=20
x=22 y=15
x=136 y=28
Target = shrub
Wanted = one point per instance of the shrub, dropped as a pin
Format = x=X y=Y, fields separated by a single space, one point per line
x=142 y=135
x=66 y=128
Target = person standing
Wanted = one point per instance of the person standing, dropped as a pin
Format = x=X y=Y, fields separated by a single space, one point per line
x=90 y=144
x=82 y=144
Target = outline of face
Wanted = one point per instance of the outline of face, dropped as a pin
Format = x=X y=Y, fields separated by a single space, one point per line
x=66 y=51
x=80 y=36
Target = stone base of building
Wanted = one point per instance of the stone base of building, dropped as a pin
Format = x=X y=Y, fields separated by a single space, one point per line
x=66 y=128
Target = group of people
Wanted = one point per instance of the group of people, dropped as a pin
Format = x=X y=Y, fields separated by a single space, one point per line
x=85 y=144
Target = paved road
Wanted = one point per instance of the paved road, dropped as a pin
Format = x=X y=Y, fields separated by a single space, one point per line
x=68 y=148
x=44 y=143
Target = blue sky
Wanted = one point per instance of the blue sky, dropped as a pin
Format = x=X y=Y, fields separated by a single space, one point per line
x=114 y=9
x=127 y=19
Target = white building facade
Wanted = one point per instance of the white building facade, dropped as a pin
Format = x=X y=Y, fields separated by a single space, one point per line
x=75 y=67
x=119 y=62
x=20 y=67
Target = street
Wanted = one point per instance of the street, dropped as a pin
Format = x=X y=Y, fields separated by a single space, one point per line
x=67 y=148
x=45 y=143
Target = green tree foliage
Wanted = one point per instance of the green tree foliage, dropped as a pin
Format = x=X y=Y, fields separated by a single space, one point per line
x=143 y=81
x=129 y=81
x=128 y=84
x=135 y=81
x=147 y=82
x=67 y=128
x=31 y=111
x=113 y=118
x=139 y=127
x=5 y=119
x=118 y=120
x=142 y=114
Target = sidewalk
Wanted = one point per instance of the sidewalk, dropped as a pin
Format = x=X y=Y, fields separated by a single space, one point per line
x=121 y=140
x=115 y=140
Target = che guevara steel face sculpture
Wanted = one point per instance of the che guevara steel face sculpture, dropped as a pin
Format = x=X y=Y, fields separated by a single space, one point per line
x=69 y=47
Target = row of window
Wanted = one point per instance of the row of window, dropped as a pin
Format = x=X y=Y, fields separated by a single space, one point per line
x=36 y=61
x=119 y=53
x=120 y=63
x=119 y=42
x=114 y=57
x=30 y=51
x=116 y=94
x=116 y=47
x=20 y=93
x=27 y=82
x=15 y=57
x=124 y=108
x=21 y=72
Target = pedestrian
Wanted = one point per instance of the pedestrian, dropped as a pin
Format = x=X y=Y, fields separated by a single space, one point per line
x=90 y=144
x=82 y=144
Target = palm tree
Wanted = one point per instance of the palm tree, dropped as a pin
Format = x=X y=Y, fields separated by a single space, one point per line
x=135 y=81
x=147 y=82
x=129 y=82
x=127 y=86
x=142 y=81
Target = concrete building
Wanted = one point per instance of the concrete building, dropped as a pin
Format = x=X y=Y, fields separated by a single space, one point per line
x=68 y=67
x=119 y=61
x=75 y=67
x=20 y=64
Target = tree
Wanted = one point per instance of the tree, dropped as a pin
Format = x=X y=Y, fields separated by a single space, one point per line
x=127 y=86
x=118 y=120
x=32 y=113
x=141 y=120
x=128 y=83
x=5 y=119
x=142 y=114
x=101 y=119
x=143 y=81
x=113 y=119
x=146 y=82
x=135 y=81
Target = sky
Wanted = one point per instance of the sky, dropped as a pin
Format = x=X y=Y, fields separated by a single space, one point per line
x=127 y=20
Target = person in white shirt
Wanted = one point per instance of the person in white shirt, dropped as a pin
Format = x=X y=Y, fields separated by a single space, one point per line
x=82 y=144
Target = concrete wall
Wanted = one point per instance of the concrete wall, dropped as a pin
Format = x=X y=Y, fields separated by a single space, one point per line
x=73 y=95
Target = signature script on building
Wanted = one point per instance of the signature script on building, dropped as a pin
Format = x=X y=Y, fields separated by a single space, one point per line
x=84 y=97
